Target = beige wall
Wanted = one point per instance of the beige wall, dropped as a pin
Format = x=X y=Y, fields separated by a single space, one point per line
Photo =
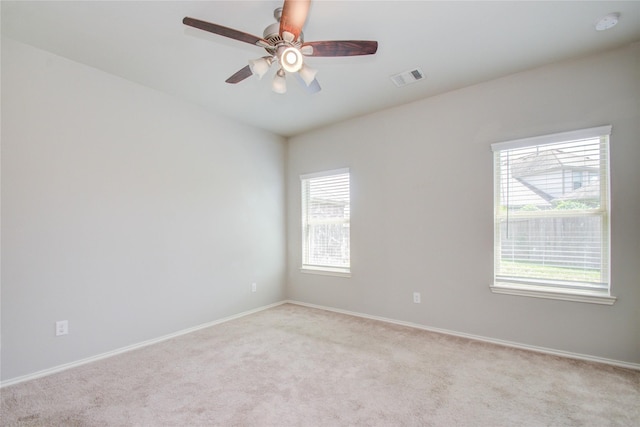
x=126 y=212
x=422 y=206
x=134 y=215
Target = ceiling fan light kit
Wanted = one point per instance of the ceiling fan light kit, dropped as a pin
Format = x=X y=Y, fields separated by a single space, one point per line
x=307 y=74
x=260 y=66
x=290 y=59
x=284 y=41
x=279 y=84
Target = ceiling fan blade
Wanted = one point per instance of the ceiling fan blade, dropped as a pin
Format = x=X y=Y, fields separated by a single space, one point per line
x=294 y=15
x=240 y=75
x=341 y=48
x=225 y=31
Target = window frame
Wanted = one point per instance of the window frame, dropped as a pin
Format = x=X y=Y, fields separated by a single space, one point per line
x=547 y=288
x=306 y=266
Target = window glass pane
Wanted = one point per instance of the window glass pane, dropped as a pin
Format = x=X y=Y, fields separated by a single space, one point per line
x=551 y=214
x=561 y=248
x=329 y=245
x=325 y=220
x=555 y=176
x=328 y=197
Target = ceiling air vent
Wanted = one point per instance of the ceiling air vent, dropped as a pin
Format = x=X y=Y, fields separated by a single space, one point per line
x=407 y=77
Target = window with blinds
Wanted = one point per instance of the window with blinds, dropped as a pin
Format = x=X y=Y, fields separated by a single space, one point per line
x=552 y=216
x=326 y=215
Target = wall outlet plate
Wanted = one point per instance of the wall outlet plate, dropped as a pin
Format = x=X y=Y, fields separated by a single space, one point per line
x=62 y=327
x=416 y=297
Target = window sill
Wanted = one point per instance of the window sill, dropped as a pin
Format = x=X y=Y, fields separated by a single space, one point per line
x=326 y=271
x=593 y=297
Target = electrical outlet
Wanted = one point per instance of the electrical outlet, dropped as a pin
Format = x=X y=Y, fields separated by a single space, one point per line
x=254 y=287
x=62 y=327
x=416 y=297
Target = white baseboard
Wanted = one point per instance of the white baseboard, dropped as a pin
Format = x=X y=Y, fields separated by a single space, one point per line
x=121 y=350
x=512 y=344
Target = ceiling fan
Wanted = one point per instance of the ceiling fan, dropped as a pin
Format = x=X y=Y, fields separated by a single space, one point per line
x=284 y=42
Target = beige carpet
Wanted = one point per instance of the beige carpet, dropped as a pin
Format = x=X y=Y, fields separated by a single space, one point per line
x=297 y=366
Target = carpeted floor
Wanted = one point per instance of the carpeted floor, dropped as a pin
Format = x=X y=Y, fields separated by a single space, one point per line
x=297 y=366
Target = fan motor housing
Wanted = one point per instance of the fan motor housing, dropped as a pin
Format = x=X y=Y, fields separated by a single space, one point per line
x=272 y=32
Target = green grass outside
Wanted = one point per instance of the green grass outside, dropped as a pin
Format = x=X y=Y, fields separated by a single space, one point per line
x=523 y=269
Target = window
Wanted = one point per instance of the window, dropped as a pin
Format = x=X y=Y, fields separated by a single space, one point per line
x=325 y=222
x=551 y=216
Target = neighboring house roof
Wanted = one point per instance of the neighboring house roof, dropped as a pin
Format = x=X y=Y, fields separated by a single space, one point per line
x=543 y=162
x=590 y=191
x=526 y=196
x=536 y=190
x=548 y=160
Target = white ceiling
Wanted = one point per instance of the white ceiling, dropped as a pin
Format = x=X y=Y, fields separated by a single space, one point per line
x=456 y=44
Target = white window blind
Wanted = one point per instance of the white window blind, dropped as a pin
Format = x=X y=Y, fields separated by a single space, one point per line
x=552 y=216
x=326 y=215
